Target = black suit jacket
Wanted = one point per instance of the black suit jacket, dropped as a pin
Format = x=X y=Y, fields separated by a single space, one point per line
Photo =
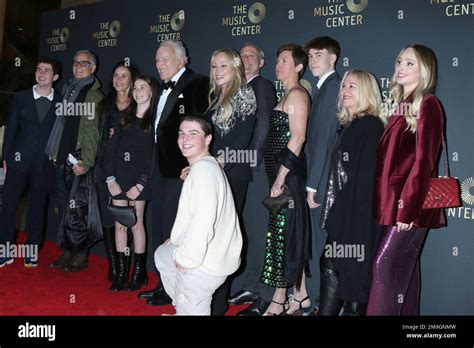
x=190 y=94
x=25 y=136
x=266 y=101
x=322 y=128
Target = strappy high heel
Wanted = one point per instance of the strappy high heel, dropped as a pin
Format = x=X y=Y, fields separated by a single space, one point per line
x=301 y=310
x=278 y=303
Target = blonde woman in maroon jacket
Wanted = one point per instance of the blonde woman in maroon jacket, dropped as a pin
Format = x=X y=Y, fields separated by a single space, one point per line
x=406 y=160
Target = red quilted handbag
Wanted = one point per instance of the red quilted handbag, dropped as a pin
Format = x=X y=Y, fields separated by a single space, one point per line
x=444 y=190
x=443 y=193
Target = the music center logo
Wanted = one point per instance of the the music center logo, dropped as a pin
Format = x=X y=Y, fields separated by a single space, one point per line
x=169 y=26
x=453 y=8
x=384 y=83
x=107 y=34
x=467 y=195
x=58 y=39
x=280 y=90
x=342 y=13
x=246 y=20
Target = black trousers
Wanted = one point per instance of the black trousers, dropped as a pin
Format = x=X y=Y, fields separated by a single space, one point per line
x=17 y=182
x=255 y=237
x=164 y=206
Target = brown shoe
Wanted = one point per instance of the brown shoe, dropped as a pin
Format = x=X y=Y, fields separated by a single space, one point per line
x=79 y=263
x=65 y=258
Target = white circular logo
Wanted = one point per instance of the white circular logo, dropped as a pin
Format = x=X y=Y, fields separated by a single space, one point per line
x=177 y=21
x=357 y=6
x=114 y=29
x=257 y=12
x=466 y=194
x=64 y=35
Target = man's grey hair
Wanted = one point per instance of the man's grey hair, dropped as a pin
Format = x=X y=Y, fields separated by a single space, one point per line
x=92 y=56
x=260 y=51
x=178 y=47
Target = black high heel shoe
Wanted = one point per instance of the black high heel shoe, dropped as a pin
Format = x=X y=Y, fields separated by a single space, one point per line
x=278 y=303
x=304 y=311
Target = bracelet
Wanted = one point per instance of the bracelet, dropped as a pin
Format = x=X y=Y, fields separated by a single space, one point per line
x=110 y=179
x=138 y=188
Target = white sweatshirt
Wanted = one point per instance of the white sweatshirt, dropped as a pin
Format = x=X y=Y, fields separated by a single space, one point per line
x=206 y=230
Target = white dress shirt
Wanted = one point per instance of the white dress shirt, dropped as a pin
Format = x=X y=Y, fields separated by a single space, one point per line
x=164 y=96
x=37 y=96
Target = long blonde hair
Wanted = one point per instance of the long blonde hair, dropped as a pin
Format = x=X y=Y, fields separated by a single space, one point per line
x=368 y=93
x=428 y=75
x=238 y=80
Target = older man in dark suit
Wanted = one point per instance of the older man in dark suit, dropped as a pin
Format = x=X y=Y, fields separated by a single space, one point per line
x=323 y=53
x=31 y=117
x=182 y=91
x=251 y=290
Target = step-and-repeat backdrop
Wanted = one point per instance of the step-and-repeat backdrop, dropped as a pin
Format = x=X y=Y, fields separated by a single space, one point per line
x=371 y=33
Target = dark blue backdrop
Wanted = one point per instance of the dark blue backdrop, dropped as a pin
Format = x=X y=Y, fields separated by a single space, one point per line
x=371 y=34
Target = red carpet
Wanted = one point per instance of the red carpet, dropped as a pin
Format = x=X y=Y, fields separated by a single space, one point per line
x=44 y=291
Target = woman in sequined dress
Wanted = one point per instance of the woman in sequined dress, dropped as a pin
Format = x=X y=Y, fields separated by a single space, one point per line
x=232 y=112
x=287 y=250
x=347 y=212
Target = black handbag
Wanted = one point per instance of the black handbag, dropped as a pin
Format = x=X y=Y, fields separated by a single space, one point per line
x=275 y=204
x=125 y=216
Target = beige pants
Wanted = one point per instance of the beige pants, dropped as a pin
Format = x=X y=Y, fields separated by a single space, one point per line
x=191 y=291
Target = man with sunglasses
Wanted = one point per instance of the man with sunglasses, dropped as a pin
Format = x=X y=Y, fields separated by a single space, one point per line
x=75 y=128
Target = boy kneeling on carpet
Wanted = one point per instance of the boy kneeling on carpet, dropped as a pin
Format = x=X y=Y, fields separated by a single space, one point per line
x=206 y=241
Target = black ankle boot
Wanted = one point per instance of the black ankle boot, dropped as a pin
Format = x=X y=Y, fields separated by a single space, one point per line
x=139 y=274
x=354 y=309
x=120 y=281
x=109 y=243
x=330 y=302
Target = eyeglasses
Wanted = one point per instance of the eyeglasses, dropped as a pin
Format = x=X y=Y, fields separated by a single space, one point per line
x=81 y=63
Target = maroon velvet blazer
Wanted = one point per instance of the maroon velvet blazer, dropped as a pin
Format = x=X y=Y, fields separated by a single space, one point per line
x=403 y=169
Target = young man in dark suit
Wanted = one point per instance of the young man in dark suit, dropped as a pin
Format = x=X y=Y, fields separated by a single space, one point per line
x=323 y=53
x=250 y=289
x=181 y=92
x=31 y=117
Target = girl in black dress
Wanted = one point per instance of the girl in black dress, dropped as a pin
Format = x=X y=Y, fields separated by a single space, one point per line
x=129 y=156
x=111 y=110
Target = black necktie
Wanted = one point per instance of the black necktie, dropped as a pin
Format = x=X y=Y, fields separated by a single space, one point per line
x=169 y=84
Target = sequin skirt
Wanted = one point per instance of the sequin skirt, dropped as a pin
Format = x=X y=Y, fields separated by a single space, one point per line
x=273 y=268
